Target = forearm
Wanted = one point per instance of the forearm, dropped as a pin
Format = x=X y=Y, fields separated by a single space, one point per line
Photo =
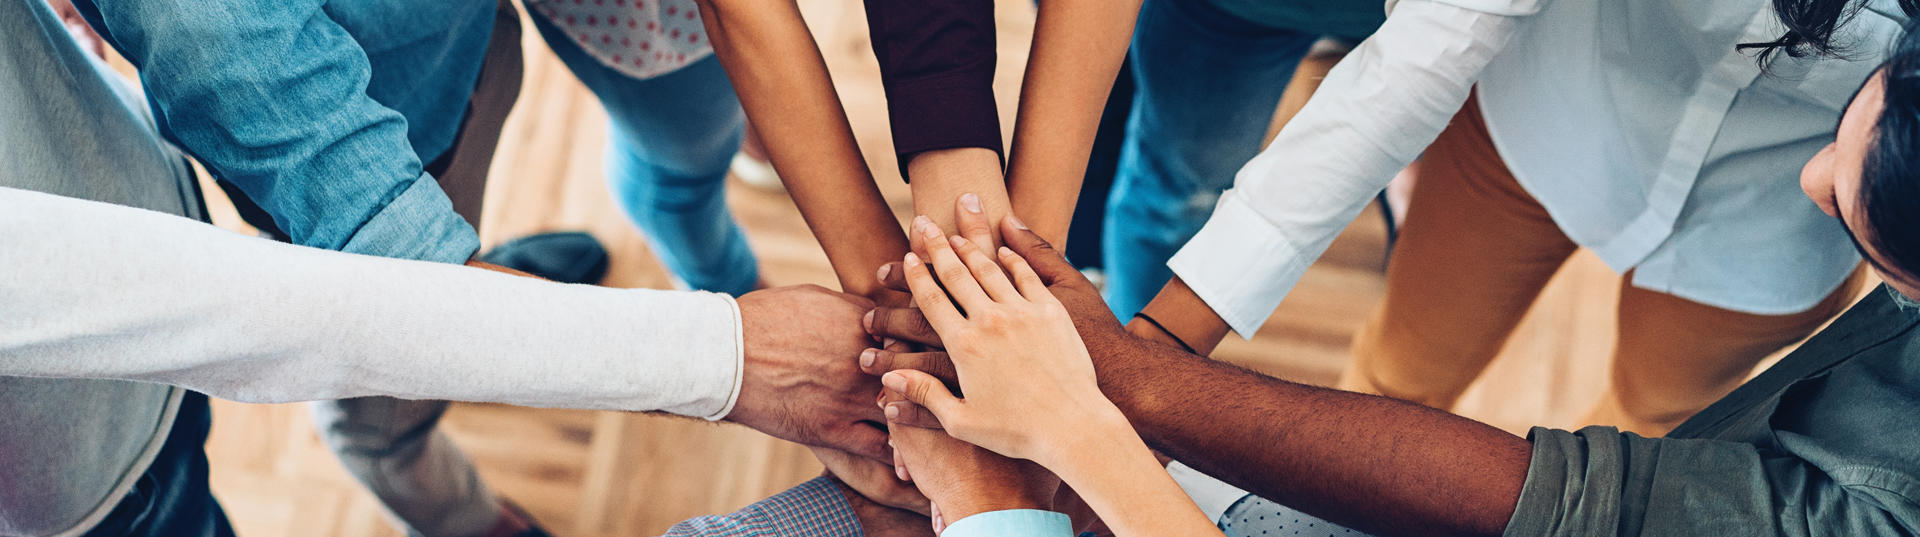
x=103 y=291
x=783 y=84
x=1078 y=46
x=1183 y=319
x=1371 y=463
x=1119 y=478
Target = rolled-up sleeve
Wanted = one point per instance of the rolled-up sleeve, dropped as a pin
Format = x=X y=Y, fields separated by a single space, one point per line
x=936 y=66
x=272 y=96
x=1598 y=481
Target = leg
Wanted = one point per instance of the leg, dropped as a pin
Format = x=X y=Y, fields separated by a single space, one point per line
x=673 y=137
x=1673 y=356
x=1206 y=84
x=394 y=448
x=1474 y=253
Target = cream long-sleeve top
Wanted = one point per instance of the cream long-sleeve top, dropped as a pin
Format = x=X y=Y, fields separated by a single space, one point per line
x=100 y=291
x=1647 y=135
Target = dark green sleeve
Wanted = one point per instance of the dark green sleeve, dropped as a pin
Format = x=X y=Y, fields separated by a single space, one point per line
x=1601 y=482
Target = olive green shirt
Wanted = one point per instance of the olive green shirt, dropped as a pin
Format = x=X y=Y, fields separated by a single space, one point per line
x=1827 y=442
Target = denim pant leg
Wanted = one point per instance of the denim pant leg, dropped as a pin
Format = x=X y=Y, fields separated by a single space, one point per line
x=1206 y=84
x=671 y=141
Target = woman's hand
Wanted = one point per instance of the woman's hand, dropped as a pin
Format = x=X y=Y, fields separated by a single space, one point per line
x=1029 y=383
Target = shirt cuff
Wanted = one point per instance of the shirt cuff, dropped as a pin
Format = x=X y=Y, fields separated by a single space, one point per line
x=739 y=361
x=1240 y=264
x=1558 y=493
x=1012 y=523
x=418 y=224
x=1213 y=496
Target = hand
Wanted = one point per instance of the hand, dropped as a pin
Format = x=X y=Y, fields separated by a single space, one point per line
x=961 y=479
x=1030 y=385
x=1110 y=345
x=801 y=381
x=878 y=520
x=872 y=479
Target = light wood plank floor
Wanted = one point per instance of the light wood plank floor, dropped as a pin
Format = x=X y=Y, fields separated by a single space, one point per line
x=605 y=474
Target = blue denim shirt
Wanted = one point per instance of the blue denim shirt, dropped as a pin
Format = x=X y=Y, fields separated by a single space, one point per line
x=321 y=111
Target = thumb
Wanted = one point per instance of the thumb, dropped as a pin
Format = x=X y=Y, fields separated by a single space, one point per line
x=924 y=390
x=1047 y=262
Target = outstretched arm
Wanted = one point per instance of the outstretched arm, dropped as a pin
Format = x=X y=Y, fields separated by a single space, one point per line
x=783 y=83
x=1371 y=463
x=1078 y=46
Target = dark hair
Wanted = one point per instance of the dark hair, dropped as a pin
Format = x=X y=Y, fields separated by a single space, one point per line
x=1890 y=176
x=1811 y=25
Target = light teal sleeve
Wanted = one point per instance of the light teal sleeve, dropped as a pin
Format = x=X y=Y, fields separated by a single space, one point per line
x=1012 y=523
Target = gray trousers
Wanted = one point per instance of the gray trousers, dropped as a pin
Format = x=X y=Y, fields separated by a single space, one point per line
x=393 y=446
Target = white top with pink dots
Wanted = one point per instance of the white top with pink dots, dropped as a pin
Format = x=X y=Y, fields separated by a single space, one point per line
x=641 y=38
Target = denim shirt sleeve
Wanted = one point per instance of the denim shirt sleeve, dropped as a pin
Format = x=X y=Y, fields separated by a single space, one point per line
x=1012 y=523
x=1599 y=481
x=815 y=508
x=272 y=96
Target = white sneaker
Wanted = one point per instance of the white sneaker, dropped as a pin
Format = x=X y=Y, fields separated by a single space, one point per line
x=756 y=173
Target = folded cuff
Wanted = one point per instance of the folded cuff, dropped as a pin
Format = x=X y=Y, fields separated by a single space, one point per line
x=1240 y=264
x=418 y=224
x=952 y=111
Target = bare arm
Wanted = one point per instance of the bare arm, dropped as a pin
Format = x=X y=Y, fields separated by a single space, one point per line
x=1077 y=49
x=1371 y=463
x=783 y=84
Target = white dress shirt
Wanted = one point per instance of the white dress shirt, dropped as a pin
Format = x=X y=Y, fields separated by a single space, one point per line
x=1636 y=123
x=101 y=291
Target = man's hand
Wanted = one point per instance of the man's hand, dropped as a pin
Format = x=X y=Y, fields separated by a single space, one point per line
x=801 y=381
x=871 y=479
x=877 y=520
x=963 y=480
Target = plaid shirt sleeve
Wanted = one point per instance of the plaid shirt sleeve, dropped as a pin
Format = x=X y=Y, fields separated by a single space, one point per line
x=813 y=509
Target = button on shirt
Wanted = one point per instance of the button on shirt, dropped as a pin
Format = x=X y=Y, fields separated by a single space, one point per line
x=1640 y=127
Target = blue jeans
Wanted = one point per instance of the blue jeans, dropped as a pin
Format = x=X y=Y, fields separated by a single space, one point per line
x=173 y=499
x=671 y=141
x=1206 y=84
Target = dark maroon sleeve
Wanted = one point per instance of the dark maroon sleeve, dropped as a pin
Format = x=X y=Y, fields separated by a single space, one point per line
x=936 y=63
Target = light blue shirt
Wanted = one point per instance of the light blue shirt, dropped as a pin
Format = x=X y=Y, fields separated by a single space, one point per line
x=1012 y=523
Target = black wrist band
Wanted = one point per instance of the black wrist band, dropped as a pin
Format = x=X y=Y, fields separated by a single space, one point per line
x=1163 y=329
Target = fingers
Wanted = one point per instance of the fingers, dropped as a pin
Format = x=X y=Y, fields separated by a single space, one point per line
x=933 y=302
x=971 y=221
x=907 y=324
x=953 y=273
x=1030 y=285
x=879 y=362
x=907 y=414
x=925 y=391
x=985 y=270
x=863 y=439
x=1052 y=267
x=891 y=277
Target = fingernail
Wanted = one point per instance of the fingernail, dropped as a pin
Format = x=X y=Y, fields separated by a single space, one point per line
x=911 y=260
x=894 y=381
x=958 y=241
x=1007 y=252
x=893 y=412
x=970 y=202
x=887 y=342
x=882 y=273
x=866 y=358
x=1015 y=222
x=921 y=222
x=867 y=321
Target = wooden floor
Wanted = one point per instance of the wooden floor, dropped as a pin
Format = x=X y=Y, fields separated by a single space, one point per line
x=608 y=474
